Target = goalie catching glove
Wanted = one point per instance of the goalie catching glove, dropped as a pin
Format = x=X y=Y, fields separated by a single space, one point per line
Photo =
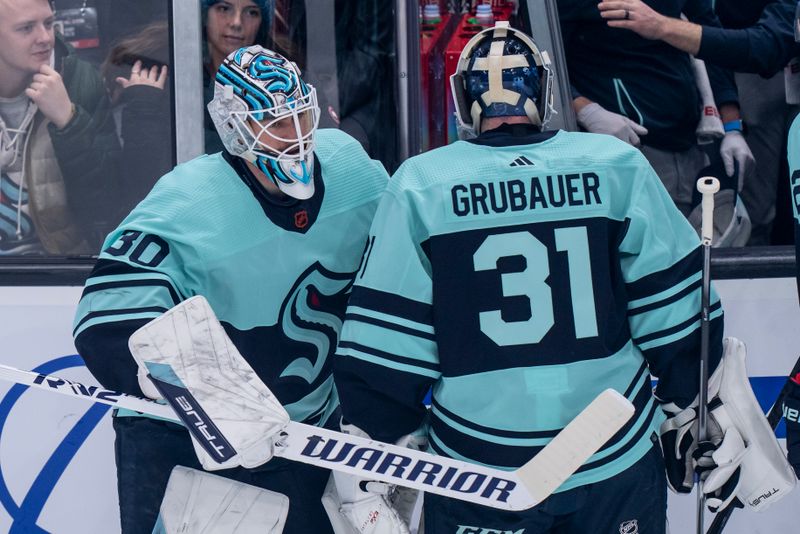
x=356 y=505
x=742 y=458
x=233 y=416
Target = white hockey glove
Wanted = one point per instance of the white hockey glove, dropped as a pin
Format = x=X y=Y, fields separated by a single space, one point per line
x=678 y=436
x=232 y=416
x=596 y=119
x=357 y=505
x=719 y=464
x=734 y=150
x=743 y=458
x=195 y=501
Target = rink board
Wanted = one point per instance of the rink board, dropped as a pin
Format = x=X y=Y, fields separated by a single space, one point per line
x=56 y=453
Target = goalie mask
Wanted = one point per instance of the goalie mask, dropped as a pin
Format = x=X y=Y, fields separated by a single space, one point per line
x=265 y=113
x=501 y=73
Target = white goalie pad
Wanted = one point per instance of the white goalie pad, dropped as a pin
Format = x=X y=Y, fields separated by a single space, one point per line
x=203 y=503
x=766 y=476
x=232 y=416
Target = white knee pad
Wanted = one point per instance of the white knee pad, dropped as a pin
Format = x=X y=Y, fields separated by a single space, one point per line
x=196 y=501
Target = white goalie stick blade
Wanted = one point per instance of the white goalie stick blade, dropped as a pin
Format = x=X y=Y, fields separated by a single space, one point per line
x=506 y=490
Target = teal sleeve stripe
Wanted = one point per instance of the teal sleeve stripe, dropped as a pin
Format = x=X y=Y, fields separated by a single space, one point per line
x=660 y=319
x=114 y=319
x=453 y=454
x=383 y=362
x=659 y=342
x=402 y=344
x=122 y=299
x=666 y=294
x=144 y=275
x=400 y=321
x=500 y=440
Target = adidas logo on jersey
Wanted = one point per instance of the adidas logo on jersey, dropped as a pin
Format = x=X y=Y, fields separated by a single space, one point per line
x=522 y=161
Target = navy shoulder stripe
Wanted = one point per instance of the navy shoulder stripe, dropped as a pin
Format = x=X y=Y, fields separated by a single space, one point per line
x=677 y=328
x=667 y=278
x=381 y=301
x=388 y=325
x=123 y=311
x=389 y=356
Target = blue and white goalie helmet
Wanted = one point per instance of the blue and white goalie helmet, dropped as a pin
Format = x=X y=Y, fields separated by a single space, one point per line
x=501 y=73
x=265 y=113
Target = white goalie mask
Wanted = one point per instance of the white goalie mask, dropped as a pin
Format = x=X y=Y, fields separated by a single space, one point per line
x=265 y=113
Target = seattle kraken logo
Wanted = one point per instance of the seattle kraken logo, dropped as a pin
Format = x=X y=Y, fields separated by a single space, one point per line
x=312 y=314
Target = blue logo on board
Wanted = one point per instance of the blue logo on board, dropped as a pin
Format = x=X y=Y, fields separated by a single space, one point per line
x=25 y=514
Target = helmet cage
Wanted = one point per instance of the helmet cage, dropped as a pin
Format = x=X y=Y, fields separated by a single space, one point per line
x=505 y=94
x=261 y=136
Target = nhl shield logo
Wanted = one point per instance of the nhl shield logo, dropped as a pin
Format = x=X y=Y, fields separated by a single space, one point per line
x=301 y=219
x=629 y=527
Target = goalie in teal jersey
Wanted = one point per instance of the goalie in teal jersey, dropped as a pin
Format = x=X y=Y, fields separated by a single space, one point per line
x=515 y=275
x=271 y=232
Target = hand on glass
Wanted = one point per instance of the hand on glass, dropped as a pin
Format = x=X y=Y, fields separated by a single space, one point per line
x=154 y=76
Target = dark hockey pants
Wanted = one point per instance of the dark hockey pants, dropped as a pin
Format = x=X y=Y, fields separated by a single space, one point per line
x=633 y=502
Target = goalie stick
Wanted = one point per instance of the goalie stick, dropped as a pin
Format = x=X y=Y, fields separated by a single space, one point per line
x=515 y=490
x=708 y=186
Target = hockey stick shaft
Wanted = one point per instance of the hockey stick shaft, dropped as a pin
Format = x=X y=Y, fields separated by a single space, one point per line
x=707 y=186
x=774 y=418
x=508 y=490
x=116 y=399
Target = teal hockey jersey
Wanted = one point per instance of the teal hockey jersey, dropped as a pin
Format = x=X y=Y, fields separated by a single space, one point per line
x=277 y=274
x=518 y=276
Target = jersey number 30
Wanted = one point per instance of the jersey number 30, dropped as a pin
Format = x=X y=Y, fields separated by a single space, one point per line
x=531 y=283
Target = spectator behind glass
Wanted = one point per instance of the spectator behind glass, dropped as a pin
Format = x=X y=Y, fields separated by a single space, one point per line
x=757 y=41
x=645 y=93
x=57 y=141
x=227 y=26
x=136 y=75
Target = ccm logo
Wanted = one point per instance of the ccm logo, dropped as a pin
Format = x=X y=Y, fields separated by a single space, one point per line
x=463 y=529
